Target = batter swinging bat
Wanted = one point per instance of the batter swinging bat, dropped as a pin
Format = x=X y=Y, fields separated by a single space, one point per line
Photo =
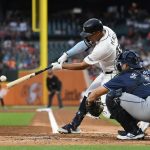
x=15 y=82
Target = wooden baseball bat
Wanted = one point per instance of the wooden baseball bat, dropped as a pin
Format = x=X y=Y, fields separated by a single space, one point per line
x=15 y=82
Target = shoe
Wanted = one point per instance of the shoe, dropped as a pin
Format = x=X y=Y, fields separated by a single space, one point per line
x=68 y=129
x=122 y=132
x=143 y=125
x=131 y=136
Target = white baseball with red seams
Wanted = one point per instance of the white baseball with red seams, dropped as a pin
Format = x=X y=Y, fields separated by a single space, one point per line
x=3 y=78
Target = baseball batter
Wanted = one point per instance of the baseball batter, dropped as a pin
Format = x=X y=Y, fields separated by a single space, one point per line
x=104 y=42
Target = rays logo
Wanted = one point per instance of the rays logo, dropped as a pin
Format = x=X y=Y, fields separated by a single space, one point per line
x=133 y=76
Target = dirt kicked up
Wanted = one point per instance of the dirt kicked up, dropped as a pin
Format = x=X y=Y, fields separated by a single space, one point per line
x=94 y=131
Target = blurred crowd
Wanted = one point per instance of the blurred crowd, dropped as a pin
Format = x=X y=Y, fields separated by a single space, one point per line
x=17 y=51
x=19 y=46
x=19 y=55
x=15 y=26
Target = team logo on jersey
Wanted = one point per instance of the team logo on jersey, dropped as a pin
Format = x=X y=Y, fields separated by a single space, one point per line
x=146 y=75
x=133 y=76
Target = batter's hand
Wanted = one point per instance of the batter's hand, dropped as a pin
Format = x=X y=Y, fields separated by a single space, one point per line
x=63 y=58
x=56 y=66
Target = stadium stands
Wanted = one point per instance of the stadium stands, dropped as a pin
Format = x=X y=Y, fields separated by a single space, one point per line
x=19 y=46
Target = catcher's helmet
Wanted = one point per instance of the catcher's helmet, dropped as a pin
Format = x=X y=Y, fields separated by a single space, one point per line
x=90 y=26
x=129 y=57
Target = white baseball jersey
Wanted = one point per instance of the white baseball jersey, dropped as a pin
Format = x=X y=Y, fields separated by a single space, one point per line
x=104 y=52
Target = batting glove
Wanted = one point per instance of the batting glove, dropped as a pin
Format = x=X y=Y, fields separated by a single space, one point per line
x=56 y=66
x=63 y=58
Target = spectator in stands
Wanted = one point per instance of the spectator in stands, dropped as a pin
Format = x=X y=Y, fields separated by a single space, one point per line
x=54 y=86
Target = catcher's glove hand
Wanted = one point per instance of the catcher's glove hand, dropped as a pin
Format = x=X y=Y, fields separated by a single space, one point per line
x=95 y=108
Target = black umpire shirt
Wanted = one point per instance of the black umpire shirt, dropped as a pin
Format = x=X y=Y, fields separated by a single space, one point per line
x=53 y=84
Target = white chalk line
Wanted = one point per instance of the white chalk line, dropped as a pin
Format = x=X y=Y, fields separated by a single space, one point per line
x=53 y=122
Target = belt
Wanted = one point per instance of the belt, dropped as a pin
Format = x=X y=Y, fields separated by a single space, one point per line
x=108 y=72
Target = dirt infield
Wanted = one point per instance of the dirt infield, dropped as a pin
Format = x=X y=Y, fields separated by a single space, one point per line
x=40 y=133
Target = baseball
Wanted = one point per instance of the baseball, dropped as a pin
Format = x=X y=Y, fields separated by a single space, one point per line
x=3 y=78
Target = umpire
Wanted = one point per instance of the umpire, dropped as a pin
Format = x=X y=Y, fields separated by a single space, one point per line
x=54 y=86
x=128 y=98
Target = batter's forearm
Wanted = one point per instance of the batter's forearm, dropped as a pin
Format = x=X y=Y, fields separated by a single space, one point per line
x=74 y=66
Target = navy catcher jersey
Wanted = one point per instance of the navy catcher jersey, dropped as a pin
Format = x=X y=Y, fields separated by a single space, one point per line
x=130 y=82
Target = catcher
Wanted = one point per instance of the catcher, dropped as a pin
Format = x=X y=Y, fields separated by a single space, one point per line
x=127 y=92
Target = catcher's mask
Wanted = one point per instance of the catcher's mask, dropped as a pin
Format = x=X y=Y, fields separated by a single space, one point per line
x=128 y=57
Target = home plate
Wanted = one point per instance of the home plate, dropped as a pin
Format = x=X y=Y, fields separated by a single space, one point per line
x=43 y=109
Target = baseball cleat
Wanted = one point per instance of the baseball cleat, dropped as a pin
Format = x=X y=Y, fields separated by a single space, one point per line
x=131 y=136
x=122 y=132
x=69 y=129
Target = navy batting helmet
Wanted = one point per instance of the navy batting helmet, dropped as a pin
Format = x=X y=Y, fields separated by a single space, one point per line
x=90 y=26
x=129 y=57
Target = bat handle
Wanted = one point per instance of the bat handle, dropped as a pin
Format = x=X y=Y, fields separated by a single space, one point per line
x=40 y=71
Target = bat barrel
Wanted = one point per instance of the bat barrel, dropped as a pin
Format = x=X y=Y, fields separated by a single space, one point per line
x=15 y=82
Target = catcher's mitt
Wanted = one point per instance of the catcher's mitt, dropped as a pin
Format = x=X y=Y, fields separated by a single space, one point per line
x=95 y=108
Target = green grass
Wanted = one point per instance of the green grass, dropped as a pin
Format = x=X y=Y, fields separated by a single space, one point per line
x=15 y=119
x=23 y=107
x=91 y=147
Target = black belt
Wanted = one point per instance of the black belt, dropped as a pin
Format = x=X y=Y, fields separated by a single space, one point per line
x=108 y=72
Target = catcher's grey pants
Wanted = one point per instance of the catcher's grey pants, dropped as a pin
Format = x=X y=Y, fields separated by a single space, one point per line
x=137 y=107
